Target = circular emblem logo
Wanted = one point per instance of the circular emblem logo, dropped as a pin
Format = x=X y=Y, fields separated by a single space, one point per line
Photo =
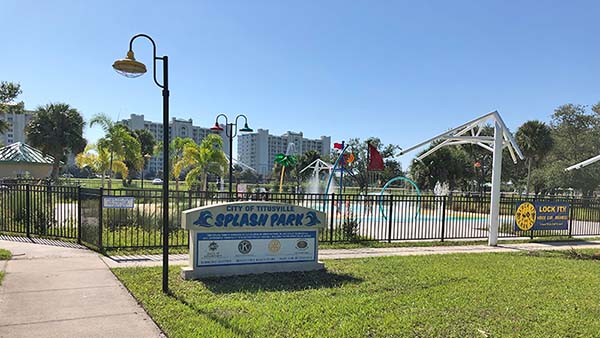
x=301 y=244
x=213 y=246
x=245 y=247
x=274 y=246
x=525 y=217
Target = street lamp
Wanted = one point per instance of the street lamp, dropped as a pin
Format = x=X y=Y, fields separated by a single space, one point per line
x=130 y=67
x=146 y=158
x=231 y=132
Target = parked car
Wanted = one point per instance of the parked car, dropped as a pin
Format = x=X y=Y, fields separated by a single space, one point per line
x=157 y=181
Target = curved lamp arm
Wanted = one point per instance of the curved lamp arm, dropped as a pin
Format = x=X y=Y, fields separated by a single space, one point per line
x=154 y=58
x=226 y=123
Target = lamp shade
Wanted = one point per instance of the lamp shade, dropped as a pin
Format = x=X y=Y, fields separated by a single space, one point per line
x=246 y=129
x=217 y=127
x=129 y=67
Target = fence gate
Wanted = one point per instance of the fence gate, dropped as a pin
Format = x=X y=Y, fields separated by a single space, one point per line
x=90 y=209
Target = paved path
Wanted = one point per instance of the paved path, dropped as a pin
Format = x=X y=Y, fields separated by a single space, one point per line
x=182 y=259
x=65 y=291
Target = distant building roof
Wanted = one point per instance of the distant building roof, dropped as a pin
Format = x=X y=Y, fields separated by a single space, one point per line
x=21 y=152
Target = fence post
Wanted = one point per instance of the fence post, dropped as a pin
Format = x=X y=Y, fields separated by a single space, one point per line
x=28 y=210
x=571 y=218
x=390 y=217
x=79 y=214
x=189 y=199
x=331 y=217
x=100 y=223
x=443 y=217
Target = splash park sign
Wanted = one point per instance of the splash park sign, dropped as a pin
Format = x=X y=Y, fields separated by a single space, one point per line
x=542 y=216
x=252 y=237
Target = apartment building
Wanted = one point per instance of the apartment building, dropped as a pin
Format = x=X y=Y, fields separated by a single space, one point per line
x=177 y=128
x=258 y=149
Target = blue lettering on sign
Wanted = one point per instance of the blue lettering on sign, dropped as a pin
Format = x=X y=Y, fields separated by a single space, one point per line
x=206 y=220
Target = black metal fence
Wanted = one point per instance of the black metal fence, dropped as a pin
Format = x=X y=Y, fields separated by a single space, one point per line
x=77 y=213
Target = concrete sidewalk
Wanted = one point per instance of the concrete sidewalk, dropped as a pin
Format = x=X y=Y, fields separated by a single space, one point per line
x=66 y=291
x=182 y=259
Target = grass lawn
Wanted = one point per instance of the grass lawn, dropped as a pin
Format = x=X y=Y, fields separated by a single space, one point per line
x=539 y=294
x=4 y=255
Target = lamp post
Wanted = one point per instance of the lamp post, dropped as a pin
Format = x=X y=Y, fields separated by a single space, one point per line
x=129 y=67
x=146 y=158
x=231 y=132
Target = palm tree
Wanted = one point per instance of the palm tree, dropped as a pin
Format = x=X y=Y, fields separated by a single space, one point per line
x=177 y=163
x=535 y=142
x=207 y=157
x=98 y=159
x=56 y=129
x=147 y=144
x=118 y=142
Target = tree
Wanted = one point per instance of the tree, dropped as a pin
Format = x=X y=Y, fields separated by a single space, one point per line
x=249 y=176
x=176 y=151
x=576 y=134
x=478 y=165
x=305 y=160
x=447 y=164
x=98 y=160
x=535 y=141
x=357 y=169
x=8 y=93
x=147 y=144
x=56 y=129
x=207 y=157
x=119 y=143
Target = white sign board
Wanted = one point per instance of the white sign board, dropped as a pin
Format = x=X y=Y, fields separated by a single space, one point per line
x=118 y=202
x=252 y=237
x=268 y=247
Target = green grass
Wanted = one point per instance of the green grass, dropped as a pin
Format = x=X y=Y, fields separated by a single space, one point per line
x=5 y=255
x=538 y=294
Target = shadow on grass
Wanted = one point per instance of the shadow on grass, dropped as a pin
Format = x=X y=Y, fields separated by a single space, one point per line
x=280 y=281
x=210 y=315
x=573 y=253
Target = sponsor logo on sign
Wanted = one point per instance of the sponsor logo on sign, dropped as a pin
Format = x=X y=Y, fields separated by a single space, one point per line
x=302 y=244
x=213 y=246
x=274 y=246
x=245 y=247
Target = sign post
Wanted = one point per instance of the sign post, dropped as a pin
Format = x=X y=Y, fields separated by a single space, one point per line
x=252 y=237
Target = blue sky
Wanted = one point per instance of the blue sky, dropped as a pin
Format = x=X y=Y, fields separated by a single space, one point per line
x=399 y=70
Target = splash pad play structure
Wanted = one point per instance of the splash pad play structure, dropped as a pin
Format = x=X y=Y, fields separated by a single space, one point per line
x=317 y=166
x=407 y=213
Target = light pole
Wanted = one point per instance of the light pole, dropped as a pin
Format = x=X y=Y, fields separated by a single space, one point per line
x=231 y=132
x=129 y=67
x=146 y=158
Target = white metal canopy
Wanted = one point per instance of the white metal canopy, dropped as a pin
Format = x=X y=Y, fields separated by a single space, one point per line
x=584 y=163
x=318 y=165
x=469 y=133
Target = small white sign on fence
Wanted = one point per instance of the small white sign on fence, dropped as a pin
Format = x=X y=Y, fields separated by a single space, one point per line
x=118 y=202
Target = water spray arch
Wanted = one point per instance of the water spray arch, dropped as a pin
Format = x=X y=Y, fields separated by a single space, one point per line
x=400 y=178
